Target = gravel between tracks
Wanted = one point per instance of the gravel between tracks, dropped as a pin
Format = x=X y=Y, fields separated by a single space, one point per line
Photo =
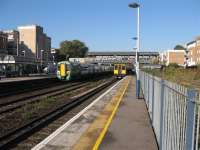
x=37 y=137
x=31 y=111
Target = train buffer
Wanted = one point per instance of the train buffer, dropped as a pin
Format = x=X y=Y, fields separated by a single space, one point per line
x=116 y=120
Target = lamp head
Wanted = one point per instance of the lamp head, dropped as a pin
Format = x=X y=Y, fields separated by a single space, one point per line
x=134 y=5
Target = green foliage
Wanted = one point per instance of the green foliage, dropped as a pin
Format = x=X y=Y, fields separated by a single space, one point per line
x=173 y=65
x=189 y=77
x=198 y=66
x=30 y=110
x=73 y=49
x=179 y=47
x=59 y=57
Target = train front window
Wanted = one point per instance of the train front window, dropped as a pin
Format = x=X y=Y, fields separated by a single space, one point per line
x=116 y=67
x=58 y=67
x=123 y=68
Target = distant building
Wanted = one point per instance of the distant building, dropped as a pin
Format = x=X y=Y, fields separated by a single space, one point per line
x=47 y=54
x=193 y=53
x=123 y=56
x=173 y=56
x=54 y=50
x=13 y=42
x=35 y=42
x=3 y=43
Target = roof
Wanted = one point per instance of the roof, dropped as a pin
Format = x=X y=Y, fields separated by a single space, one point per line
x=29 y=26
x=122 y=53
x=192 y=42
x=176 y=50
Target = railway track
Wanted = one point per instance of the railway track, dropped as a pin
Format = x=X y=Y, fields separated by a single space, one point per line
x=19 y=87
x=8 y=106
x=10 y=139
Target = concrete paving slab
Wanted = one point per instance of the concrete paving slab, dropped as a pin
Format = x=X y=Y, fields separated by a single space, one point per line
x=131 y=128
x=69 y=134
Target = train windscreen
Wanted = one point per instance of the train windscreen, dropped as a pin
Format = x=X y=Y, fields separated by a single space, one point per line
x=116 y=67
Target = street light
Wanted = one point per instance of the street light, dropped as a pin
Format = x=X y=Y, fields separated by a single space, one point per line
x=24 y=52
x=41 y=57
x=136 y=5
x=24 y=62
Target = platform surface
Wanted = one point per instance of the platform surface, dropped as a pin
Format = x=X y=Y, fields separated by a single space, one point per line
x=68 y=136
x=131 y=128
x=116 y=120
x=16 y=79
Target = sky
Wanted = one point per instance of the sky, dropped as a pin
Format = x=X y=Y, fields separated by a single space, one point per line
x=107 y=25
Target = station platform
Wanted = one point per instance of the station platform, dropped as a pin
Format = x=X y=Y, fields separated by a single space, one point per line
x=116 y=120
x=31 y=77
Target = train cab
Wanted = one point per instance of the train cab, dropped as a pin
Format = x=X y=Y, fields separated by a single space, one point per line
x=63 y=71
x=119 y=70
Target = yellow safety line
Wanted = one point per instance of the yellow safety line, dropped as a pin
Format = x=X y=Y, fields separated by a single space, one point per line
x=93 y=137
x=102 y=134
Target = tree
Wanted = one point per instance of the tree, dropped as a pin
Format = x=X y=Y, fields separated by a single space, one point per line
x=73 y=49
x=179 y=47
x=59 y=57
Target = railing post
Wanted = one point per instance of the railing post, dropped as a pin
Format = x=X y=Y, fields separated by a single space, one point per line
x=148 y=92
x=190 y=122
x=137 y=87
x=144 y=90
x=152 y=99
x=161 y=114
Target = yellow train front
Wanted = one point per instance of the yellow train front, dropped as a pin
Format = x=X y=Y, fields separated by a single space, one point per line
x=119 y=70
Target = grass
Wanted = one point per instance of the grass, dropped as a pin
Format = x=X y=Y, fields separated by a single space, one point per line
x=31 y=110
x=187 y=77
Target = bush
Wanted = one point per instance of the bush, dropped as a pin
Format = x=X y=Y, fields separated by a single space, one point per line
x=173 y=65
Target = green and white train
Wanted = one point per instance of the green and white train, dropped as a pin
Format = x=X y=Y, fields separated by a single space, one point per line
x=72 y=70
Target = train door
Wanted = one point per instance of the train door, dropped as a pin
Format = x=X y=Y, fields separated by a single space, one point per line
x=120 y=70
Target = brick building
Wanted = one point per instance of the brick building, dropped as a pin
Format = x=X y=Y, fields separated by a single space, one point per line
x=34 y=41
x=193 y=52
x=13 y=41
x=3 y=42
x=173 y=56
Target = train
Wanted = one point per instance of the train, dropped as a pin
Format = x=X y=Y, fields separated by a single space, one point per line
x=67 y=70
x=120 y=70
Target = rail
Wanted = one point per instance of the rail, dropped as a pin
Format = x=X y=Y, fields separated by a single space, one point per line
x=12 y=138
x=174 y=113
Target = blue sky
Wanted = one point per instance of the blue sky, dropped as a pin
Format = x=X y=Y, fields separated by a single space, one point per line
x=107 y=25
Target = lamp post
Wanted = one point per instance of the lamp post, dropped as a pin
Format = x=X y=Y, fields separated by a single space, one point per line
x=24 y=53
x=18 y=45
x=136 y=5
x=41 y=58
x=24 y=72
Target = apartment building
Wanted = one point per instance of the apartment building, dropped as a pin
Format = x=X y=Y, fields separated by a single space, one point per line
x=3 y=42
x=34 y=41
x=193 y=52
x=13 y=42
x=173 y=56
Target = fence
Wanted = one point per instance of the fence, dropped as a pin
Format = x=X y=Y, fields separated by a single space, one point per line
x=174 y=113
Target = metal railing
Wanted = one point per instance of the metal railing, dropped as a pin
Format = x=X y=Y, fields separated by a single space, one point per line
x=174 y=113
